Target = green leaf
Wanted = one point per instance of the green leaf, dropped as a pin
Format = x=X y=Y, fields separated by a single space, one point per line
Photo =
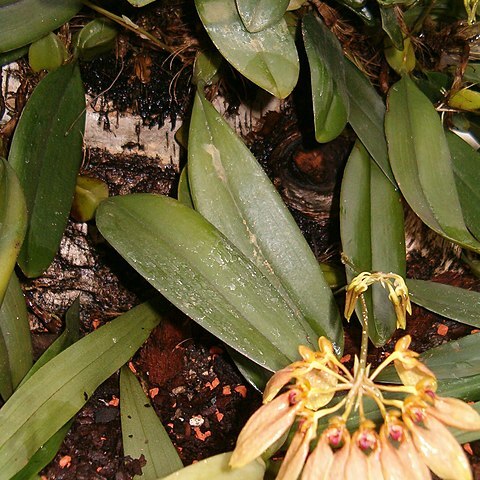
x=372 y=232
x=13 y=55
x=329 y=92
x=95 y=38
x=69 y=336
x=47 y=53
x=44 y=455
x=140 y=3
x=206 y=66
x=466 y=168
x=367 y=115
x=231 y=190
x=24 y=21
x=56 y=392
x=421 y=163
x=217 y=468
x=258 y=15
x=195 y=267
x=15 y=330
x=267 y=58
x=183 y=193
x=451 y=302
x=142 y=431
x=6 y=388
x=13 y=223
x=46 y=153
x=391 y=26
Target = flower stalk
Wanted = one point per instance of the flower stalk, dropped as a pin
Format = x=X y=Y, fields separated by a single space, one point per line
x=413 y=438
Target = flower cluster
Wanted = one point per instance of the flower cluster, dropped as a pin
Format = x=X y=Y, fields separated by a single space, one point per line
x=412 y=440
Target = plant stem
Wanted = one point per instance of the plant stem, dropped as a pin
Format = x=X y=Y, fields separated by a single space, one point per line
x=129 y=25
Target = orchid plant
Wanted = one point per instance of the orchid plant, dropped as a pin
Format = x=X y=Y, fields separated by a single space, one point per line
x=413 y=438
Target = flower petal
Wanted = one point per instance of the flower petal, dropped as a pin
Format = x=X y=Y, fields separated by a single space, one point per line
x=319 y=462
x=455 y=413
x=264 y=427
x=439 y=449
x=411 y=371
x=374 y=466
x=278 y=381
x=296 y=454
x=356 y=464
x=417 y=470
x=337 y=469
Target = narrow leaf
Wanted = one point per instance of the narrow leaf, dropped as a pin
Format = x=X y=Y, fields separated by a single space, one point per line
x=258 y=15
x=24 y=21
x=327 y=71
x=195 y=267
x=451 y=302
x=44 y=403
x=13 y=223
x=372 y=232
x=183 y=192
x=466 y=168
x=15 y=330
x=217 y=468
x=69 y=336
x=44 y=455
x=367 y=115
x=6 y=388
x=391 y=26
x=421 y=162
x=142 y=431
x=46 y=153
x=231 y=190
x=267 y=58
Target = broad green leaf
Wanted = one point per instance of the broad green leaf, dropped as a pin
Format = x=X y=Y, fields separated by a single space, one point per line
x=217 y=468
x=466 y=168
x=13 y=223
x=69 y=336
x=56 y=392
x=195 y=267
x=46 y=153
x=15 y=330
x=455 y=360
x=329 y=93
x=258 y=15
x=421 y=163
x=372 y=232
x=44 y=455
x=231 y=190
x=451 y=302
x=367 y=116
x=142 y=431
x=24 y=21
x=267 y=58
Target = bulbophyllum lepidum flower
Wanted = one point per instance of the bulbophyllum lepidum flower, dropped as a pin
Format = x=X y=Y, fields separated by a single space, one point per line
x=412 y=439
